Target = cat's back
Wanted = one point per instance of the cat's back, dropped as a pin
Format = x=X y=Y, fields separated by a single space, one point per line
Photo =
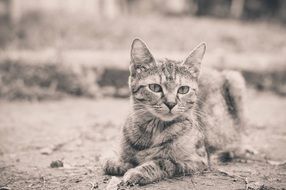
x=220 y=107
x=213 y=80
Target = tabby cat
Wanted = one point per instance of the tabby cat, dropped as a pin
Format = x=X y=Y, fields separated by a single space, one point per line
x=179 y=117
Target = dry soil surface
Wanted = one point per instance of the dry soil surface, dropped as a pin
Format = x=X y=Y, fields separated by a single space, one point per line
x=80 y=132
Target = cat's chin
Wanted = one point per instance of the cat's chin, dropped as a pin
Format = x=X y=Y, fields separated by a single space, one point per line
x=163 y=116
x=167 y=117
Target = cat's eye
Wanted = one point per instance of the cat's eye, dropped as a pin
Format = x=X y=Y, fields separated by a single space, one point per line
x=155 y=87
x=183 y=90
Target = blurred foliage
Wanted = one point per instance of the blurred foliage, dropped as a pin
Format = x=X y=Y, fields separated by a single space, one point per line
x=42 y=81
x=37 y=28
x=53 y=31
x=167 y=27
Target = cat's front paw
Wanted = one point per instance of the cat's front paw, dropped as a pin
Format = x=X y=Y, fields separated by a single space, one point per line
x=133 y=177
x=115 y=168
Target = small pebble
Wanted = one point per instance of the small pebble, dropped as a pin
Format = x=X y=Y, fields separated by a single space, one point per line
x=56 y=164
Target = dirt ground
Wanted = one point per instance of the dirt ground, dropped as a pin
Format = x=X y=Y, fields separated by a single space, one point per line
x=80 y=132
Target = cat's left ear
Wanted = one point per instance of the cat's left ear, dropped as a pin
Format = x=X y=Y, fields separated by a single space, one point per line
x=141 y=58
x=194 y=60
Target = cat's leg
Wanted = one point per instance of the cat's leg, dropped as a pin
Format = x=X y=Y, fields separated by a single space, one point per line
x=118 y=168
x=159 y=169
x=149 y=172
x=190 y=167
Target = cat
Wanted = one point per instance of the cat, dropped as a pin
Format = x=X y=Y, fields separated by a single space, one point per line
x=180 y=116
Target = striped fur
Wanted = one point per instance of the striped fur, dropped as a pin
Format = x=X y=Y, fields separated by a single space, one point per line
x=170 y=133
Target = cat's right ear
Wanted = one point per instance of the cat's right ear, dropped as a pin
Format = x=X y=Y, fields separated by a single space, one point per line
x=193 y=61
x=141 y=58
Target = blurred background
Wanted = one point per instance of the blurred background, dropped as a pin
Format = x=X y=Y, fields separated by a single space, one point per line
x=49 y=49
x=64 y=93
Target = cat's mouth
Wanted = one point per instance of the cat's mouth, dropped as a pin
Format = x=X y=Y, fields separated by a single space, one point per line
x=163 y=115
x=169 y=116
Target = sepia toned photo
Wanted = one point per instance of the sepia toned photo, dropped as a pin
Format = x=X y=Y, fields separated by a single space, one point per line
x=143 y=94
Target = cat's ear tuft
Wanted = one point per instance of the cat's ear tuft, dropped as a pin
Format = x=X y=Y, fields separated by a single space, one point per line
x=141 y=58
x=194 y=60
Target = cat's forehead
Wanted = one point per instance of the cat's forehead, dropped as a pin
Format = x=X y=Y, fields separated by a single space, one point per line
x=169 y=73
x=170 y=70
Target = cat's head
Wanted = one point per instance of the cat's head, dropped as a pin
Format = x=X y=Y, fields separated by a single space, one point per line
x=165 y=88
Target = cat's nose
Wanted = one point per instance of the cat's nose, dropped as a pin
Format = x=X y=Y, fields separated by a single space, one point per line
x=170 y=105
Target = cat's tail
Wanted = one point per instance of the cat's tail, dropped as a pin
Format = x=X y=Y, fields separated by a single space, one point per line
x=234 y=95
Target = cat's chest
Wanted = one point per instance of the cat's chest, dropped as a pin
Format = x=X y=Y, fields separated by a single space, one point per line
x=147 y=133
x=153 y=128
